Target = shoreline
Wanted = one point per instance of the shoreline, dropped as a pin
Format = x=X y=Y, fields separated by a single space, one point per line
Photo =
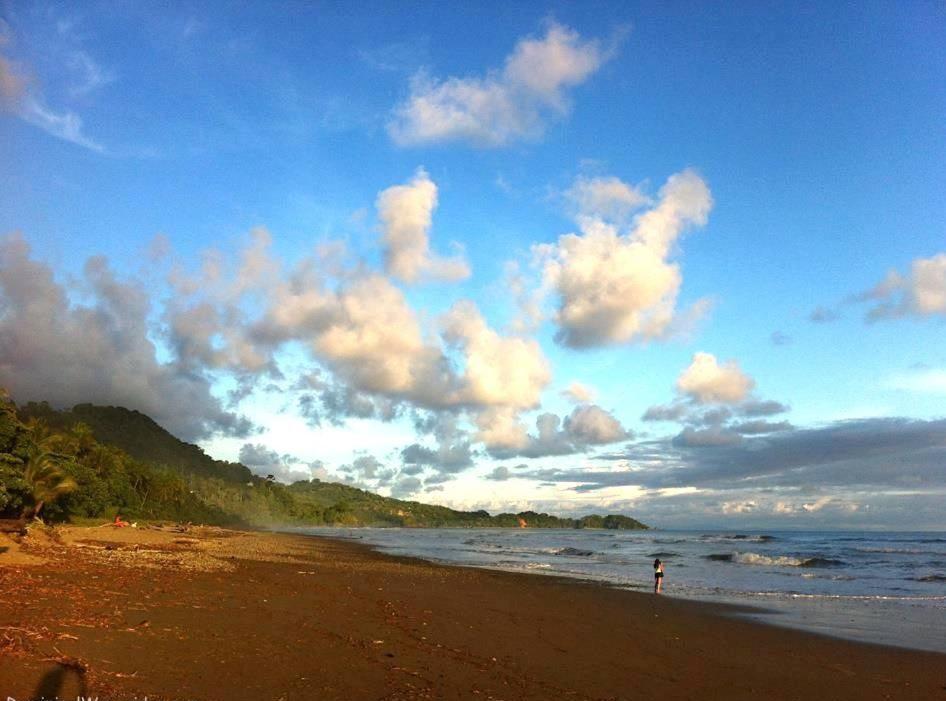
x=851 y=617
x=216 y=614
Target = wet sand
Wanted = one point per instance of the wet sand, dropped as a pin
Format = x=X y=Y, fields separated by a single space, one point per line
x=209 y=614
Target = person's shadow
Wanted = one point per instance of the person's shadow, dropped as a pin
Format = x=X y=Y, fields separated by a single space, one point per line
x=55 y=679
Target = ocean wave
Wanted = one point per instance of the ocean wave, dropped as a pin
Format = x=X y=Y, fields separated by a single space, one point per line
x=723 y=537
x=573 y=552
x=720 y=557
x=841 y=597
x=663 y=554
x=931 y=578
x=775 y=560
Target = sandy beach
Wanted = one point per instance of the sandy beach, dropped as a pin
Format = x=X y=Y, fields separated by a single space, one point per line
x=206 y=613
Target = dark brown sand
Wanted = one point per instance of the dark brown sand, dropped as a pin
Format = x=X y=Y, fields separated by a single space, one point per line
x=217 y=615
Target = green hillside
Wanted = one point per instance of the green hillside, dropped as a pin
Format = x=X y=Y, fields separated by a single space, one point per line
x=114 y=460
x=139 y=436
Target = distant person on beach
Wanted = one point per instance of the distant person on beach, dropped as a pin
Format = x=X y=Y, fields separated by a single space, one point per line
x=658 y=575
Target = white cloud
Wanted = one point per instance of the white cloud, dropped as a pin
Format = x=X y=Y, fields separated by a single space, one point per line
x=591 y=425
x=739 y=507
x=504 y=106
x=618 y=287
x=363 y=329
x=579 y=393
x=264 y=461
x=499 y=428
x=607 y=198
x=499 y=370
x=21 y=95
x=66 y=125
x=406 y=213
x=706 y=381
x=372 y=337
x=588 y=425
x=51 y=349
x=921 y=292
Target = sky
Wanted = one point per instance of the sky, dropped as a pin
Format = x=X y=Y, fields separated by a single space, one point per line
x=681 y=261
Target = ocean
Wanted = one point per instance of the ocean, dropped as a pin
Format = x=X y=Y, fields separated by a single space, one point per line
x=887 y=588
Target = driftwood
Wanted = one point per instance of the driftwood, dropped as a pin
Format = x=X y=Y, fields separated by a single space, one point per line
x=12 y=525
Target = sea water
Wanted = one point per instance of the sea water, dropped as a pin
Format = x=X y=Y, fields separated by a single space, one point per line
x=887 y=588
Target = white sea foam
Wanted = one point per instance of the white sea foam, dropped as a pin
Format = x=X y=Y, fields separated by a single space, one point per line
x=756 y=559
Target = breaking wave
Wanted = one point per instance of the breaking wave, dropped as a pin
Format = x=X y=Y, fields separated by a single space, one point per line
x=574 y=552
x=931 y=578
x=778 y=561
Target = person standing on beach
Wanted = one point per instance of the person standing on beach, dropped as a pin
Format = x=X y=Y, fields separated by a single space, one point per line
x=658 y=575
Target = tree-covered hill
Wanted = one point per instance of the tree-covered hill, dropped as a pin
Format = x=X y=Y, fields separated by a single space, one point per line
x=139 y=436
x=94 y=461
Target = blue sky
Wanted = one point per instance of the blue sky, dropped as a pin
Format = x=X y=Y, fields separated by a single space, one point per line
x=754 y=193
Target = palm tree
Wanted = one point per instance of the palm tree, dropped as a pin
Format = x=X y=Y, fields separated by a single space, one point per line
x=46 y=480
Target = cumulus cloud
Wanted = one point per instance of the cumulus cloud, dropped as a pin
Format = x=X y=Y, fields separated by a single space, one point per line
x=586 y=426
x=508 y=371
x=578 y=393
x=406 y=213
x=204 y=323
x=616 y=287
x=739 y=507
x=453 y=452
x=501 y=429
x=608 y=198
x=504 y=106
x=367 y=472
x=340 y=403
x=364 y=331
x=360 y=328
x=405 y=487
x=99 y=352
x=706 y=381
x=710 y=397
x=264 y=461
x=591 y=425
x=500 y=473
x=921 y=292
x=368 y=335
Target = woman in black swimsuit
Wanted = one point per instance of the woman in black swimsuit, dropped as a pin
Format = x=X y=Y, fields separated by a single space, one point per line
x=658 y=576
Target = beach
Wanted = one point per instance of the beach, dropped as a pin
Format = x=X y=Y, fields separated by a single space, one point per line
x=207 y=613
